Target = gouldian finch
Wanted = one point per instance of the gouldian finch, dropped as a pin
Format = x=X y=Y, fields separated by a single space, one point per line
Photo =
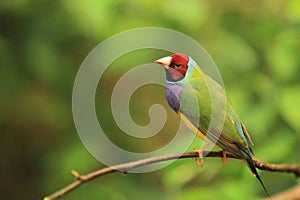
x=187 y=85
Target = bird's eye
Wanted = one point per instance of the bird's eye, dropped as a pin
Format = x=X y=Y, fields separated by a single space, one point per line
x=177 y=65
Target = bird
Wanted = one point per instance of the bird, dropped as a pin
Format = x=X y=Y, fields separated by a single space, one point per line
x=191 y=93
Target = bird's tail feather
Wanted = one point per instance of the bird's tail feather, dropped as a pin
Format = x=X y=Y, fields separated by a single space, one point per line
x=249 y=162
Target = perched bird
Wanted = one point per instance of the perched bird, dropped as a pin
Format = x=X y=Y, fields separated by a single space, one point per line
x=191 y=94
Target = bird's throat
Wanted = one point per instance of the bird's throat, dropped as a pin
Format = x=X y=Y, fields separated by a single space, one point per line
x=172 y=75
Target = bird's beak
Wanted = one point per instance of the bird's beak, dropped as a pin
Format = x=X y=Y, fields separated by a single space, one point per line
x=165 y=61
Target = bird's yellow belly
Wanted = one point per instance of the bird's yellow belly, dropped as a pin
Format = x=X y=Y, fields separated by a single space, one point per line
x=191 y=126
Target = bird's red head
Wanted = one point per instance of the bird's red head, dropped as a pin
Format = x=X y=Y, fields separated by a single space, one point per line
x=176 y=66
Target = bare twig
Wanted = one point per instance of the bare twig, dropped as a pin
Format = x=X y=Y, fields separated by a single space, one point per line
x=288 y=168
x=295 y=169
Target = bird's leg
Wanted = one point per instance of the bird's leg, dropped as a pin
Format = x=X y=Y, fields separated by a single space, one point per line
x=224 y=157
x=200 y=160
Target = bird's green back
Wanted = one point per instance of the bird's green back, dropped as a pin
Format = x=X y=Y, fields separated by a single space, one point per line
x=204 y=103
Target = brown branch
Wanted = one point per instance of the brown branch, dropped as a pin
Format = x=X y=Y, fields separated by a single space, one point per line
x=288 y=168
x=295 y=169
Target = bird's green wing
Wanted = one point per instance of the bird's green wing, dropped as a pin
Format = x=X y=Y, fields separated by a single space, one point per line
x=219 y=123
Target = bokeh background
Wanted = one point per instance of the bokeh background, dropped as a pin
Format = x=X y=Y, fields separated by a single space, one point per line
x=255 y=44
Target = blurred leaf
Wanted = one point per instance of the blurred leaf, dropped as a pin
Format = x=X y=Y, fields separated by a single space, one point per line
x=175 y=179
x=289 y=105
x=277 y=146
x=229 y=51
x=293 y=6
x=196 y=13
x=43 y=60
x=259 y=120
x=282 y=55
x=93 y=17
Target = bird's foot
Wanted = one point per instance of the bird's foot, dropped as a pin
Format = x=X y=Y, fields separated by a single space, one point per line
x=200 y=159
x=224 y=158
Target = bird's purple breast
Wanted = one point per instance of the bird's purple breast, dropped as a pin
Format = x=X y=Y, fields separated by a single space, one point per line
x=173 y=92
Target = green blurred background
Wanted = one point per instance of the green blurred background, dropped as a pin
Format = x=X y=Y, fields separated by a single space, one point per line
x=255 y=44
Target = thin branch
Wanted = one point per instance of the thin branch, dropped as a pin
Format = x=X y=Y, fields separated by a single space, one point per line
x=288 y=168
x=295 y=169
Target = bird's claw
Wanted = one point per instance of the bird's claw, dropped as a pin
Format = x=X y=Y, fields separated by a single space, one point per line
x=224 y=158
x=199 y=160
